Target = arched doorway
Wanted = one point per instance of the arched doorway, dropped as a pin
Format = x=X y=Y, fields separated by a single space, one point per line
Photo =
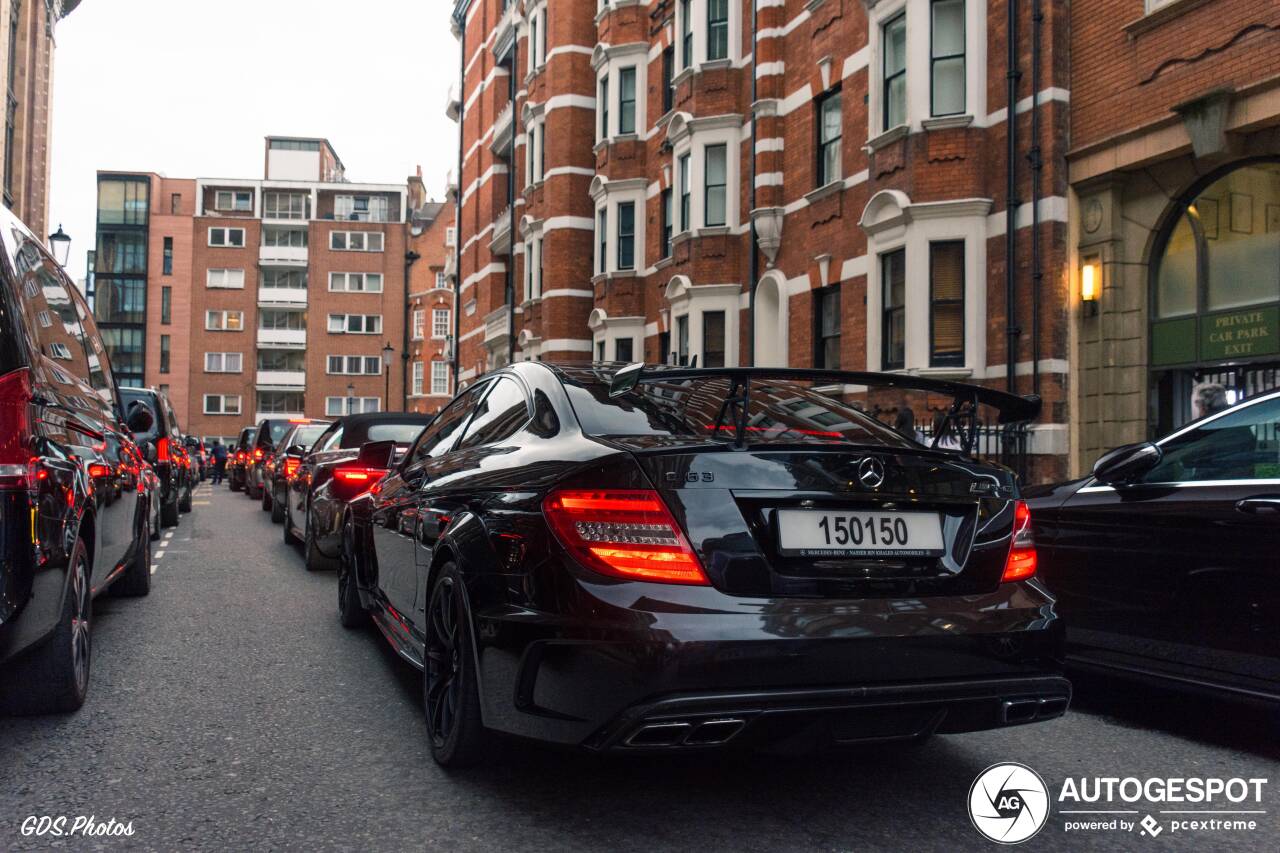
x=1215 y=291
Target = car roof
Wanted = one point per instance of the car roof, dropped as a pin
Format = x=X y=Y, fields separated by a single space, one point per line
x=366 y=420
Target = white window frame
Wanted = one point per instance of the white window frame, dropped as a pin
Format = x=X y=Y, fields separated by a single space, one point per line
x=536 y=39
x=607 y=196
x=347 y=209
x=360 y=405
x=361 y=363
x=366 y=237
x=344 y=321
x=346 y=278
x=301 y=213
x=419 y=370
x=222 y=359
x=964 y=221
x=609 y=63
x=439 y=378
x=694 y=301
x=439 y=316
x=222 y=404
x=919 y=16
x=224 y=315
x=418 y=327
x=224 y=279
x=698 y=14
x=226 y=236
x=233 y=200
x=695 y=141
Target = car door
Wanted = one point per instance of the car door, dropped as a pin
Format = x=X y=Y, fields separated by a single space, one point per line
x=448 y=486
x=299 y=488
x=1182 y=566
x=394 y=519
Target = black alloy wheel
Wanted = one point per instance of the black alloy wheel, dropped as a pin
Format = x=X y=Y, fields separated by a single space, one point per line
x=450 y=692
x=351 y=612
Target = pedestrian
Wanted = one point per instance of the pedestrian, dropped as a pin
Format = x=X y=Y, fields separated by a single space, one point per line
x=219 y=461
x=1207 y=399
x=950 y=441
x=905 y=423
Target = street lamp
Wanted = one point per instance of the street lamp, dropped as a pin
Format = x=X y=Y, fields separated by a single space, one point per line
x=60 y=243
x=387 y=352
x=351 y=397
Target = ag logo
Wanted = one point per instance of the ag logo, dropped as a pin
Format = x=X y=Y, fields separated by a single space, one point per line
x=1008 y=803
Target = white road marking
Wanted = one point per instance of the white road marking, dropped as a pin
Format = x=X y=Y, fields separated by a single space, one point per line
x=153 y=568
x=158 y=555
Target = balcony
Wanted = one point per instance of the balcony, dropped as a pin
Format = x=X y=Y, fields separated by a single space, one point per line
x=282 y=338
x=496 y=327
x=500 y=243
x=453 y=107
x=283 y=256
x=284 y=379
x=503 y=132
x=289 y=297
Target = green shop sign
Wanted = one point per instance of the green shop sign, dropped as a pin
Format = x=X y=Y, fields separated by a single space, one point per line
x=1227 y=335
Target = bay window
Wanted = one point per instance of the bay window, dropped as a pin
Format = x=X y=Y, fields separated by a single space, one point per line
x=717 y=29
x=893 y=45
x=946 y=303
x=947 y=62
x=893 y=323
x=626 y=235
x=715 y=185
x=830 y=135
x=627 y=100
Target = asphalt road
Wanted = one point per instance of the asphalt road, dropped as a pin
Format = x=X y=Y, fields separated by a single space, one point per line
x=230 y=711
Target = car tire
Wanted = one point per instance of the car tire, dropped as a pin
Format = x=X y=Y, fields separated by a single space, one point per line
x=184 y=503
x=136 y=580
x=351 y=612
x=450 y=690
x=266 y=498
x=311 y=556
x=277 y=511
x=153 y=522
x=169 y=514
x=53 y=678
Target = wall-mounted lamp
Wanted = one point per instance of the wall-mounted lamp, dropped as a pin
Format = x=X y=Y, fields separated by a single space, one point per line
x=1090 y=285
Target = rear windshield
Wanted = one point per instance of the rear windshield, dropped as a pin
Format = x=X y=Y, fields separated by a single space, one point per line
x=130 y=396
x=275 y=431
x=401 y=433
x=246 y=437
x=689 y=410
x=307 y=435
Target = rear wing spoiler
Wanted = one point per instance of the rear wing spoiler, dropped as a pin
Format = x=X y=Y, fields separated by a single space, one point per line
x=962 y=417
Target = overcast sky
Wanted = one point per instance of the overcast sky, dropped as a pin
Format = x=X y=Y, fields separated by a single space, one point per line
x=190 y=89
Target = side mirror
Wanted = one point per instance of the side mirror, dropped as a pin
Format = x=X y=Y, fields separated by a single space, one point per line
x=149 y=452
x=1126 y=464
x=295 y=450
x=139 y=419
x=377 y=455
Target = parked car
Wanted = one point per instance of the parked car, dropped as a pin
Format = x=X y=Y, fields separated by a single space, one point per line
x=170 y=456
x=73 y=518
x=327 y=477
x=199 y=456
x=261 y=447
x=1167 y=558
x=279 y=466
x=673 y=558
x=237 y=458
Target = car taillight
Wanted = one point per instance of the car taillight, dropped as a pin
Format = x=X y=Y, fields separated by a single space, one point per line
x=625 y=533
x=358 y=477
x=1021 y=563
x=162 y=451
x=290 y=465
x=257 y=453
x=17 y=466
x=97 y=469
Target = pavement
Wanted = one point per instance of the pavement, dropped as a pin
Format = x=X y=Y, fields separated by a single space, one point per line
x=229 y=710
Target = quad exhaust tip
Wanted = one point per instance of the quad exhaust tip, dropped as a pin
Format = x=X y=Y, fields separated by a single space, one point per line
x=679 y=733
x=1014 y=711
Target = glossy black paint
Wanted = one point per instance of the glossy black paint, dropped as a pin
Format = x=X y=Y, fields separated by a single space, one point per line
x=261 y=447
x=274 y=482
x=1177 y=582
x=90 y=486
x=236 y=458
x=314 y=497
x=799 y=651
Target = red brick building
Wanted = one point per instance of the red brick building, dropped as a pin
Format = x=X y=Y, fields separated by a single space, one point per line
x=431 y=301
x=249 y=298
x=828 y=183
x=1174 y=171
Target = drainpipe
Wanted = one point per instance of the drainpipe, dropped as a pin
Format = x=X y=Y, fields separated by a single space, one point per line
x=457 y=209
x=1012 y=76
x=754 y=262
x=1037 y=167
x=409 y=257
x=509 y=289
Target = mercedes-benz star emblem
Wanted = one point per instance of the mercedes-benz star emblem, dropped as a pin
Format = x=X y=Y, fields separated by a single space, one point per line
x=871 y=472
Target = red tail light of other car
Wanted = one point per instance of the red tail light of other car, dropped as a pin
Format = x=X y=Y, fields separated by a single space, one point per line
x=1021 y=562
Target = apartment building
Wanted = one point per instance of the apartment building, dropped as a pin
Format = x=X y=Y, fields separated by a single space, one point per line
x=431 y=304
x=26 y=34
x=1174 y=175
x=250 y=298
x=832 y=183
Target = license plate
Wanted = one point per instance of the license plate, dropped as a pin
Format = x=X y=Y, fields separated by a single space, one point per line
x=826 y=533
